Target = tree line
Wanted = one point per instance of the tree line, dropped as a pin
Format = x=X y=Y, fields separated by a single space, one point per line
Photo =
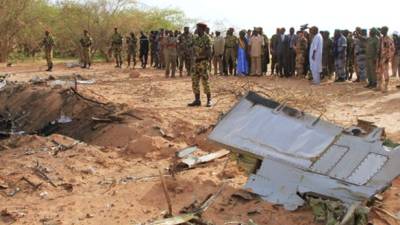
x=23 y=22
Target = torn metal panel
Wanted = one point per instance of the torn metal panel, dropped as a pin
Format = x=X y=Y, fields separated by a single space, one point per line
x=265 y=128
x=192 y=161
x=186 y=152
x=302 y=154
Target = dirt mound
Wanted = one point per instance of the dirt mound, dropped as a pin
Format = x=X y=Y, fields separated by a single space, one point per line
x=150 y=147
x=43 y=110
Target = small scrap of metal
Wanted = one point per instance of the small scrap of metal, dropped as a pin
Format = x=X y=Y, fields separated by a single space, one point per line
x=41 y=172
x=62 y=148
x=192 y=213
x=34 y=186
x=191 y=161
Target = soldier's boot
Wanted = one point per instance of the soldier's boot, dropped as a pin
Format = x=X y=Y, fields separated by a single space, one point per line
x=209 y=103
x=196 y=101
x=180 y=73
x=83 y=66
x=50 y=67
x=385 y=86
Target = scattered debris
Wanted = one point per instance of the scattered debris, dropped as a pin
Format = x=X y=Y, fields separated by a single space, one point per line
x=192 y=213
x=34 y=186
x=186 y=151
x=167 y=198
x=191 y=161
x=304 y=154
x=3 y=83
x=41 y=172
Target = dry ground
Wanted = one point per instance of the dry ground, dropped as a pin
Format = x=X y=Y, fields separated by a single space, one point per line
x=96 y=181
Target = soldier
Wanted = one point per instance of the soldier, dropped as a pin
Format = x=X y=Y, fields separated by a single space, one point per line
x=170 y=51
x=86 y=43
x=185 y=51
x=161 y=42
x=231 y=47
x=386 y=52
x=301 y=52
x=131 y=41
x=116 y=47
x=340 y=51
x=264 y=53
x=396 y=58
x=218 y=51
x=326 y=54
x=202 y=54
x=143 y=49
x=274 y=51
x=349 y=54
x=372 y=51
x=360 y=45
x=48 y=44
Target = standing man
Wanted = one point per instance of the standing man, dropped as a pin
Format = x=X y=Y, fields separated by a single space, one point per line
x=218 y=52
x=256 y=47
x=202 y=54
x=185 y=48
x=316 y=55
x=231 y=48
x=349 y=54
x=274 y=51
x=386 y=52
x=48 y=44
x=326 y=54
x=86 y=43
x=131 y=41
x=372 y=53
x=143 y=49
x=360 y=45
x=264 y=52
x=301 y=47
x=292 y=52
x=340 y=53
x=116 y=47
x=283 y=52
x=171 y=54
x=396 y=57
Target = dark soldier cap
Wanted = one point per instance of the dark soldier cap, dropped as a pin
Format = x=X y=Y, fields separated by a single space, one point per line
x=202 y=25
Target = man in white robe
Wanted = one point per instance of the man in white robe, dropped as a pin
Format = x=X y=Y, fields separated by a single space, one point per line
x=316 y=55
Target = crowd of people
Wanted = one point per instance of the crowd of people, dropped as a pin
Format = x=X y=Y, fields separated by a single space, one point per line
x=308 y=53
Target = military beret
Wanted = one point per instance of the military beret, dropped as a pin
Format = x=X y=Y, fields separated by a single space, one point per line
x=202 y=25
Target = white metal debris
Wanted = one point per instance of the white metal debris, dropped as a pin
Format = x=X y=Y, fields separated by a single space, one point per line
x=301 y=153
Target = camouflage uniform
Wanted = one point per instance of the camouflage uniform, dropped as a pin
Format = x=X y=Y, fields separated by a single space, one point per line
x=274 y=52
x=170 y=56
x=386 y=52
x=327 y=57
x=301 y=51
x=360 y=45
x=350 y=57
x=202 y=53
x=185 y=49
x=372 y=56
x=132 y=49
x=48 y=44
x=231 y=43
x=340 y=53
x=265 y=55
x=86 y=43
x=116 y=47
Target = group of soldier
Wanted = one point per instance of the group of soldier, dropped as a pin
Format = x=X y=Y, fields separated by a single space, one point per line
x=347 y=53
